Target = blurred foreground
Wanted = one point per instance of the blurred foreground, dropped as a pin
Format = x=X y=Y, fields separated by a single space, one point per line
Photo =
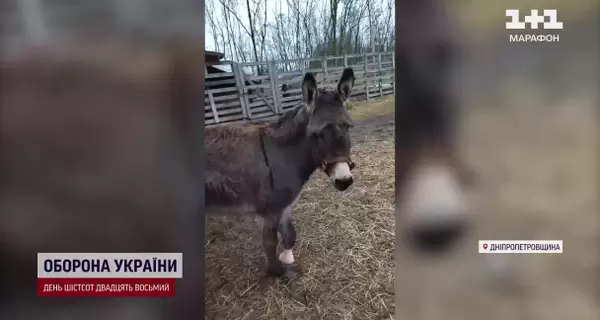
x=531 y=132
x=99 y=136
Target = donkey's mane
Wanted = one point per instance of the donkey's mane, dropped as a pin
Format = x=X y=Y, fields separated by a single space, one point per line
x=290 y=126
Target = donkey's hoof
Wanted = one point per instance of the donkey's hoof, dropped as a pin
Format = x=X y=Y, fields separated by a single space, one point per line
x=288 y=276
x=276 y=271
x=282 y=272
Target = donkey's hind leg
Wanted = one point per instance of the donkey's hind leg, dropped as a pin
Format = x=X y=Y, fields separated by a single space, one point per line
x=274 y=267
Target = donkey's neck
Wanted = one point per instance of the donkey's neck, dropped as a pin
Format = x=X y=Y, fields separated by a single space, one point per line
x=289 y=149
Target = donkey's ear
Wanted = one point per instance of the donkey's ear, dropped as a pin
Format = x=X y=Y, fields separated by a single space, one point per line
x=309 y=90
x=346 y=83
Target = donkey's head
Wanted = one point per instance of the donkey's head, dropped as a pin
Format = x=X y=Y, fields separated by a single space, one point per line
x=328 y=126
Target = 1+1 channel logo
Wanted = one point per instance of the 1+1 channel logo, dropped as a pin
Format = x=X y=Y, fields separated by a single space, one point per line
x=549 y=21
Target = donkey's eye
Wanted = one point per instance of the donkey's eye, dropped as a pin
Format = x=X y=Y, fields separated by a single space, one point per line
x=345 y=126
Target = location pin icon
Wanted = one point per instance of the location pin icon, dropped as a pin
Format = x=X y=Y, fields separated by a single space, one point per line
x=485 y=246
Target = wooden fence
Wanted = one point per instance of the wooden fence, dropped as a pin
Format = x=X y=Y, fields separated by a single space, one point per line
x=260 y=91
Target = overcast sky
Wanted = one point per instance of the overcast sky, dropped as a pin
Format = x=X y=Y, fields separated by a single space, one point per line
x=280 y=5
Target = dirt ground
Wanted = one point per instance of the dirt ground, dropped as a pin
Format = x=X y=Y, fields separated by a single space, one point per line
x=538 y=180
x=345 y=247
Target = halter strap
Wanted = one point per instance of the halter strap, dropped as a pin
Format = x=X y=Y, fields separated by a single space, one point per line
x=333 y=160
x=261 y=137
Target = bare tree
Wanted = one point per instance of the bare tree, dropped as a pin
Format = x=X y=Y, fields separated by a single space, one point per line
x=261 y=30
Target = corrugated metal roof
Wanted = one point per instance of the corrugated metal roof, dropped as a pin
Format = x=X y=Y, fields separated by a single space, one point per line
x=219 y=55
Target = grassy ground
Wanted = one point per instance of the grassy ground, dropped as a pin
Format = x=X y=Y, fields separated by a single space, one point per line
x=363 y=110
x=345 y=242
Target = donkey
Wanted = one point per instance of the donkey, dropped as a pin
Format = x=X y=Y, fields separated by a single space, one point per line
x=261 y=169
x=430 y=174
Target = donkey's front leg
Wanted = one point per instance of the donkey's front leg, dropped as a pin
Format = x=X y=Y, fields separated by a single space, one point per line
x=288 y=239
x=274 y=267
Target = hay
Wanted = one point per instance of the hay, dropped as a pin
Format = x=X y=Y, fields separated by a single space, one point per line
x=344 y=252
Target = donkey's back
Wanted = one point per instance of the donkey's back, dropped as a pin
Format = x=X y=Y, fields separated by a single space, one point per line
x=236 y=173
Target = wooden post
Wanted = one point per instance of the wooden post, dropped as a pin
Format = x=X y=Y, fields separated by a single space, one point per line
x=324 y=65
x=303 y=65
x=366 y=76
x=213 y=107
x=274 y=80
x=239 y=78
x=32 y=16
x=393 y=73
x=380 y=75
x=345 y=60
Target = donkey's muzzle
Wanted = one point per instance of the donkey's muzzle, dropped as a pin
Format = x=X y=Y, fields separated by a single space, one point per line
x=435 y=238
x=343 y=184
x=341 y=176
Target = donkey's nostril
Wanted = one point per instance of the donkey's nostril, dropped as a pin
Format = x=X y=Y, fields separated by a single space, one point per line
x=437 y=237
x=343 y=184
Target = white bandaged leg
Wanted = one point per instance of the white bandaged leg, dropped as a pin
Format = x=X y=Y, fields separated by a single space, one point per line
x=287 y=256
